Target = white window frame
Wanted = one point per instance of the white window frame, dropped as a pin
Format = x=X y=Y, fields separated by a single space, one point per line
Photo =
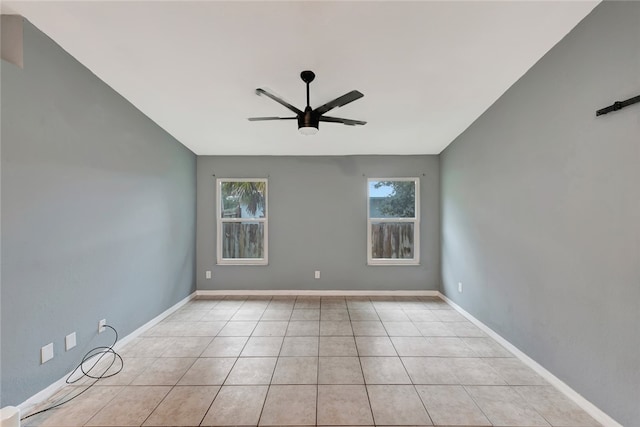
x=220 y=221
x=416 y=226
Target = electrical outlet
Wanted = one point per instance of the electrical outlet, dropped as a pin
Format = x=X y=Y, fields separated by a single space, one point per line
x=317 y=274
x=70 y=341
x=101 y=324
x=460 y=287
x=46 y=353
x=207 y=274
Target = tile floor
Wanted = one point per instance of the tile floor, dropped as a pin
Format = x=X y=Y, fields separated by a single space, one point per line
x=287 y=361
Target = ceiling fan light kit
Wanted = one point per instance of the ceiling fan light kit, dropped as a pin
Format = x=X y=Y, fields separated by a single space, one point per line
x=309 y=119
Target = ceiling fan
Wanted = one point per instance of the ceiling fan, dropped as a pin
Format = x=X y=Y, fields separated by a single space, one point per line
x=309 y=119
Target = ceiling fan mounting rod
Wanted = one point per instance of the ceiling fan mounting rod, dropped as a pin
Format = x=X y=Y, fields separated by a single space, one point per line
x=307 y=76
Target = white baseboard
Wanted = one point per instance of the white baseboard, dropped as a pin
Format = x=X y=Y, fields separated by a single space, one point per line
x=587 y=406
x=322 y=293
x=45 y=394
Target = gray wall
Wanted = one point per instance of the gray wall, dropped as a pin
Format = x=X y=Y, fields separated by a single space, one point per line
x=98 y=215
x=541 y=211
x=318 y=221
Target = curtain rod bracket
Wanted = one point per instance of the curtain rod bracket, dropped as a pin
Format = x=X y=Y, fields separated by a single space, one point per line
x=618 y=105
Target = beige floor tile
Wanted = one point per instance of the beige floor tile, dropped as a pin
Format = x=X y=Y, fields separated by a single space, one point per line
x=363 y=315
x=77 y=412
x=307 y=303
x=437 y=304
x=288 y=405
x=238 y=329
x=451 y=406
x=375 y=346
x=423 y=315
x=218 y=315
x=503 y=406
x=252 y=371
x=229 y=304
x=335 y=315
x=299 y=346
x=359 y=303
x=401 y=329
x=225 y=347
x=411 y=346
x=305 y=314
x=247 y=315
x=384 y=370
x=171 y=329
x=276 y=314
x=466 y=329
x=164 y=371
x=338 y=346
x=435 y=329
x=130 y=407
x=296 y=370
x=187 y=346
x=392 y=315
x=514 y=372
x=343 y=405
x=340 y=370
x=262 y=346
x=448 y=347
x=332 y=303
x=236 y=406
x=430 y=370
x=303 y=328
x=474 y=371
x=372 y=328
x=282 y=302
x=486 y=347
x=147 y=347
x=384 y=303
x=397 y=405
x=555 y=407
x=208 y=371
x=270 y=329
x=449 y=316
x=206 y=329
x=335 y=328
x=132 y=367
x=187 y=316
x=183 y=406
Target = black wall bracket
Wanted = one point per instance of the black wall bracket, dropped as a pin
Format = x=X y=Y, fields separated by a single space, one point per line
x=618 y=105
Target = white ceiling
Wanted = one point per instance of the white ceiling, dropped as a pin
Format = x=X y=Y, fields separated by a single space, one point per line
x=427 y=69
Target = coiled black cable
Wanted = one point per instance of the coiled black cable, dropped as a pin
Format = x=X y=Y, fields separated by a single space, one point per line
x=102 y=351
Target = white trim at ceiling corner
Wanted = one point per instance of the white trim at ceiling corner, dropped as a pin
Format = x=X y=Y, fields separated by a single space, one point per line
x=322 y=293
x=587 y=406
x=49 y=391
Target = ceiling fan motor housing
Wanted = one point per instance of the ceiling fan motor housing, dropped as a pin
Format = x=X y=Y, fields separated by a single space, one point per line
x=308 y=119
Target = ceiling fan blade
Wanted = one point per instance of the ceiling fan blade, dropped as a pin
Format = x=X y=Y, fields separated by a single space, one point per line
x=339 y=102
x=279 y=100
x=347 y=122
x=260 y=119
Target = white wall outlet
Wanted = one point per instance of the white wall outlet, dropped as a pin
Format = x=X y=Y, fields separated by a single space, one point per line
x=207 y=274
x=46 y=353
x=460 y=287
x=70 y=341
x=101 y=324
x=317 y=274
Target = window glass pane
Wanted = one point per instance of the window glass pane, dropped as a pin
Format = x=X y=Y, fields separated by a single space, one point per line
x=392 y=240
x=243 y=199
x=392 y=199
x=242 y=240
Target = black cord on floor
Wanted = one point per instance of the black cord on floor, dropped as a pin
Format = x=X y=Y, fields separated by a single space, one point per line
x=102 y=351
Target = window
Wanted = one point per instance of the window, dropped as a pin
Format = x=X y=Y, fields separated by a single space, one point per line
x=242 y=221
x=393 y=224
